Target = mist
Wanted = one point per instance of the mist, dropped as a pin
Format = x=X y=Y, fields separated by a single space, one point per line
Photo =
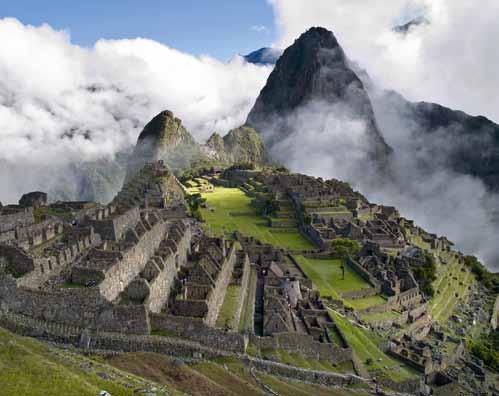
x=326 y=141
x=63 y=106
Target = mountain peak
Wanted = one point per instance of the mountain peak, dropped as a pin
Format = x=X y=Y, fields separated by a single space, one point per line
x=313 y=70
x=165 y=127
x=264 y=56
x=163 y=138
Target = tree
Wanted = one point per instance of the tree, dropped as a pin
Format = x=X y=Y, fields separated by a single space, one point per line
x=344 y=247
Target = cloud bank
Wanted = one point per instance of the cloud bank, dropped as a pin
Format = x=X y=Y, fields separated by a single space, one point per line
x=63 y=104
x=452 y=60
x=448 y=61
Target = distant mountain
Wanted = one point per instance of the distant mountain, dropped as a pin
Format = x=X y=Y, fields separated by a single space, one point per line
x=242 y=144
x=313 y=70
x=164 y=138
x=466 y=144
x=264 y=56
x=406 y=27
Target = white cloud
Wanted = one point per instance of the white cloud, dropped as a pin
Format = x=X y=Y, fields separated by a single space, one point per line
x=452 y=61
x=259 y=28
x=60 y=103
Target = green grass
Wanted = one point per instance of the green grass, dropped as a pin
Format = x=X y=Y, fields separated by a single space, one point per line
x=366 y=302
x=247 y=315
x=366 y=346
x=226 y=316
x=223 y=203
x=382 y=316
x=327 y=276
x=297 y=360
x=451 y=281
x=31 y=368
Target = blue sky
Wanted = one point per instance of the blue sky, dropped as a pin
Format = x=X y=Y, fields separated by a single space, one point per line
x=220 y=28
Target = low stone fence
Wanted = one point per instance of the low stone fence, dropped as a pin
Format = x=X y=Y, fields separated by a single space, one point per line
x=81 y=307
x=195 y=329
x=363 y=273
x=304 y=345
x=116 y=342
x=312 y=376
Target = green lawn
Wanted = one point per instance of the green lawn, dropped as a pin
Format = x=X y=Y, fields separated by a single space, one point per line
x=229 y=210
x=366 y=302
x=226 y=316
x=366 y=346
x=382 y=316
x=327 y=276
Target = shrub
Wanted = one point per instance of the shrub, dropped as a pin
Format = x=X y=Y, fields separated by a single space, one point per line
x=490 y=280
x=486 y=348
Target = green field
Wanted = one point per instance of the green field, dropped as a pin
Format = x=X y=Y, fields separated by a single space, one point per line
x=366 y=345
x=327 y=276
x=366 y=302
x=229 y=210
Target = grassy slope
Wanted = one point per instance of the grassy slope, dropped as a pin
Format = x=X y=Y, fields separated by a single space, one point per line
x=232 y=211
x=451 y=286
x=452 y=278
x=31 y=368
x=366 y=346
x=224 y=377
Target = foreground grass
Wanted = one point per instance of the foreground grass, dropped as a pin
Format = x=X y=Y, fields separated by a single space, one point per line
x=327 y=276
x=229 y=210
x=31 y=368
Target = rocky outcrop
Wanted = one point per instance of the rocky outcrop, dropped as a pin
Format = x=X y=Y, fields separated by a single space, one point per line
x=243 y=144
x=313 y=70
x=164 y=138
x=35 y=199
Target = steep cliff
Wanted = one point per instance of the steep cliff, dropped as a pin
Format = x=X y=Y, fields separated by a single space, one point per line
x=313 y=71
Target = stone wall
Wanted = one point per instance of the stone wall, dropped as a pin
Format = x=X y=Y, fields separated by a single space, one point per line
x=362 y=293
x=243 y=293
x=195 y=329
x=46 y=267
x=161 y=285
x=363 y=273
x=217 y=295
x=295 y=373
x=118 y=276
x=304 y=345
x=11 y=219
x=114 y=227
x=82 y=307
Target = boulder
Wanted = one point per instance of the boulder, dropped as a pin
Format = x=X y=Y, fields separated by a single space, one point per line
x=35 y=199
